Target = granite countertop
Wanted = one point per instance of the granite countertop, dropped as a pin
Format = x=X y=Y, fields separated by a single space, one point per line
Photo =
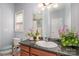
x=57 y=50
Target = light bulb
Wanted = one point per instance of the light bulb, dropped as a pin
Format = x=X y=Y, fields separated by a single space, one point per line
x=40 y=5
x=48 y=7
x=42 y=8
x=55 y=5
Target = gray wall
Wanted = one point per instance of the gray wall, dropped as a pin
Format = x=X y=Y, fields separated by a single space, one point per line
x=6 y=25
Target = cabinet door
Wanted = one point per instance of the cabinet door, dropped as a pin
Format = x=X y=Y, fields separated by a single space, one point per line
x=41 y=53
x=24 y=48
x=23 y=53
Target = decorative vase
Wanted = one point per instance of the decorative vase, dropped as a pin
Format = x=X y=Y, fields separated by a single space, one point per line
x=36 y=38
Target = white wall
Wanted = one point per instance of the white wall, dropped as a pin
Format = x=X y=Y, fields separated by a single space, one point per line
x=6 y=25
x=68 y=15
x=0 y=26
x=75 y=16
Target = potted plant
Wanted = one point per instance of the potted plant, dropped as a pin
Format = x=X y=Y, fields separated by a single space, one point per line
x=34 y=34
x=68 y=38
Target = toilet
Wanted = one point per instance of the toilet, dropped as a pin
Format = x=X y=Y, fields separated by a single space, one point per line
x=15 y=46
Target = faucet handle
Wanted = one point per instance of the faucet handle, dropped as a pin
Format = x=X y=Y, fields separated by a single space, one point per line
x=46 y=38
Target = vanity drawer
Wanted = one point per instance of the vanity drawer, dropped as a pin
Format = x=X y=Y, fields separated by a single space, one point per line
x=41 y=53
x=24 y=48
x=23 y=53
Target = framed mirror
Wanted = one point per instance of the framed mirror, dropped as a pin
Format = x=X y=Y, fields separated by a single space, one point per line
x=51 y=19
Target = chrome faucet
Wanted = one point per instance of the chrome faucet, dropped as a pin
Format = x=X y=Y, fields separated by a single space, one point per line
x=45 y=38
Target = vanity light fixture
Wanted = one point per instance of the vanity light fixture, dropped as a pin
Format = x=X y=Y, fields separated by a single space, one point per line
x=54 y=4
x=42 y=6
x=46 y=4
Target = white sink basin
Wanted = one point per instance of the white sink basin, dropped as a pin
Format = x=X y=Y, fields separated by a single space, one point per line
x=46 y=44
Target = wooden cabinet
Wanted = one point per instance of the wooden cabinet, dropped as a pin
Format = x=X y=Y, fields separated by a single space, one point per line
x=25 y=51
x=25 y=48
x=41 y=53
x=28 y=51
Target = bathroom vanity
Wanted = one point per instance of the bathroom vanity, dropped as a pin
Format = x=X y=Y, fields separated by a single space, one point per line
x=26 y=51
x=29 y=51
x=30 y=48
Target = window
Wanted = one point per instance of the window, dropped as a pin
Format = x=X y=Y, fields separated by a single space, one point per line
x=19 y=21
